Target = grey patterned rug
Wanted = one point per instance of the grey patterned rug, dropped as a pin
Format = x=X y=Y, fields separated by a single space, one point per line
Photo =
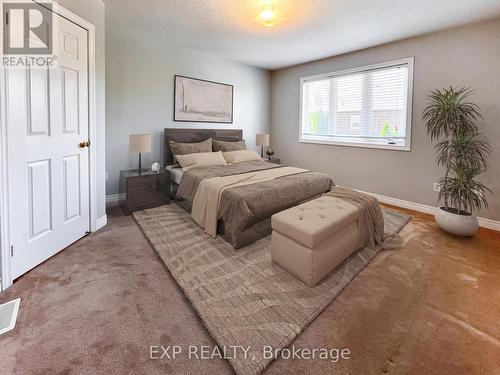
x=242 y=298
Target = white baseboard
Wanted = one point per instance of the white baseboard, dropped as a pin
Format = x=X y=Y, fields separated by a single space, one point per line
x=114 y=199
x=484 y=223
x=489 y=224
x=101 y=222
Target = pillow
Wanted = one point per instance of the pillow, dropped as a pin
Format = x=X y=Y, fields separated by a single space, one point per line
x=228 y=146
x=201 y=159
x=235 y=157
x=178 y=148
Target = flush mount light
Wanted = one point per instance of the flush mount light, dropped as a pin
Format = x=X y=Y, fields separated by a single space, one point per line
x=268 y=15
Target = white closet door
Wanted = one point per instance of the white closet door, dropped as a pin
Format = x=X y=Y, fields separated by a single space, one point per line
x=49 y=179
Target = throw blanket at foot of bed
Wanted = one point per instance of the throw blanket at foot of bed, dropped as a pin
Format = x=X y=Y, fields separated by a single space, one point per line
x=206 y=202
x=371 y=219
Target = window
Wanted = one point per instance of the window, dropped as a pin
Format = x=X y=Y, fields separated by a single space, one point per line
x=364 y=107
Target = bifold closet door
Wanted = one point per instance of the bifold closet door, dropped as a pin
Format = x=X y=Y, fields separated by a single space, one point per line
x=48 y=124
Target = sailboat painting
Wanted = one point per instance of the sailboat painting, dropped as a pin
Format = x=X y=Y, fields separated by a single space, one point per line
x=198 y=100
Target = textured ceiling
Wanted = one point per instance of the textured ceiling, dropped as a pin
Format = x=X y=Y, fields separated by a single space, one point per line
x=313 y=29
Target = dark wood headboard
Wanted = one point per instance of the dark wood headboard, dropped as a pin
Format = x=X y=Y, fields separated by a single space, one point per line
x=197 y=135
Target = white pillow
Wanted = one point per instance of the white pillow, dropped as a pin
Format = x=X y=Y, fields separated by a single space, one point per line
x=235 y=157
x=201 y=159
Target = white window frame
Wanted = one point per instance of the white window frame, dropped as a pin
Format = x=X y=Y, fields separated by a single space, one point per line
x=409 y=61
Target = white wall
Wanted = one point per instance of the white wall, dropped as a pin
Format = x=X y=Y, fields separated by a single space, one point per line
x=464 y=56
x=140 y=96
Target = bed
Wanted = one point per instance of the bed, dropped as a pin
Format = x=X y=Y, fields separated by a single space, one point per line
x=175 y=174
x=244 y=211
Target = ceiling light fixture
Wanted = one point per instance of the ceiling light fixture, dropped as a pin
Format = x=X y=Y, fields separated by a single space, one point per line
x=268 y=16
x=267 y=13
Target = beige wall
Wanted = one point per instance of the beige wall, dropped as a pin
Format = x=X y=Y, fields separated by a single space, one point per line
x=140 y=96
x=465 y=56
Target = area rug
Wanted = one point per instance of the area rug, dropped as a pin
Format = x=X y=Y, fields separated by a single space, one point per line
x=242 y=298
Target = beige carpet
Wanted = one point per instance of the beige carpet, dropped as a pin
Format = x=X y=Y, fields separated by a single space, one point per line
x=431 y=308
x=241 y=297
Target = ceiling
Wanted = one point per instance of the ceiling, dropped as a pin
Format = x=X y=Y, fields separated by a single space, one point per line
x=312 y=29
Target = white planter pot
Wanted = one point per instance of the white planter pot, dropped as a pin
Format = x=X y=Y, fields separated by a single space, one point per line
x=459 y=225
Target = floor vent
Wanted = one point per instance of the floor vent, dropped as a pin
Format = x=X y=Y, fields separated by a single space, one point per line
x=8 y=315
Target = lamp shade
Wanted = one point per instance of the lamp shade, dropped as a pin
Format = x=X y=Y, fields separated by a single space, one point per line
x=262 y=140
x=139 y=143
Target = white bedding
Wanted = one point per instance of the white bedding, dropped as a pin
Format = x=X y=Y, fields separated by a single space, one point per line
x=175 y=174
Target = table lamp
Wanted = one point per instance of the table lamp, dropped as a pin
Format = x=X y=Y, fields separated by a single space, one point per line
x=139 y=144
x=262 y=140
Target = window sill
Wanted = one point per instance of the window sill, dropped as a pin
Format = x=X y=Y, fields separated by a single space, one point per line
x=406 y=148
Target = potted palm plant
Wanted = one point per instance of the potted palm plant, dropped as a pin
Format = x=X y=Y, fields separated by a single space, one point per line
x=452 y=119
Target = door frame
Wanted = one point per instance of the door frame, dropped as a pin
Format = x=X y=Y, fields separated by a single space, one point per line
x=6 y=169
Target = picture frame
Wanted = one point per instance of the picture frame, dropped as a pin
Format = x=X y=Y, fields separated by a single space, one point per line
x=199 y=100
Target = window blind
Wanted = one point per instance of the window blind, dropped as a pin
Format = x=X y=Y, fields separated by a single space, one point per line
x=365 y=106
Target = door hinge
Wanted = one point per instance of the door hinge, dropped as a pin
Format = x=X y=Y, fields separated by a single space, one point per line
x=12 y=250
x=7 y=18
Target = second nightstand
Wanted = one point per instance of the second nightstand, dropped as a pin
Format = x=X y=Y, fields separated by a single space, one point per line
x=145 y=190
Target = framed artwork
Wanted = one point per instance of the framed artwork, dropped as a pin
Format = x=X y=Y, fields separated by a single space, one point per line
x=198 y=100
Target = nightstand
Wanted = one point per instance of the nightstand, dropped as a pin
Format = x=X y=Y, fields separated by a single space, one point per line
x=274 y=161
x=145 y=190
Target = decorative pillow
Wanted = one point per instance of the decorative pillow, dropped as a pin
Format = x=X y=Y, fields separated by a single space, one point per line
x=201 y=159
x=178 y=148
x=228 y=146
x=235 y=157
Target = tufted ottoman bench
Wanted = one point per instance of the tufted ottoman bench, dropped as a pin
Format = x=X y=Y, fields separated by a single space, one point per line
x=311 y=240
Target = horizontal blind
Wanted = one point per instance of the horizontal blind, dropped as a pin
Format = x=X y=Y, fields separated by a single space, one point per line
x=318 y=107
x=367 y=104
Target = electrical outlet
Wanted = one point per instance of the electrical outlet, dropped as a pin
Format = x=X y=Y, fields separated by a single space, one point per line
x=436 y=187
